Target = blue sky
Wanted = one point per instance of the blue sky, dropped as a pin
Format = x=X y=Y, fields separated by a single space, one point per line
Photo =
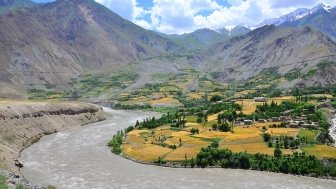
x=182 y=16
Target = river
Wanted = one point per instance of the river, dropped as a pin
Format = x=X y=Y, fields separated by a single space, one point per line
x=79 y=158
x=332 y=129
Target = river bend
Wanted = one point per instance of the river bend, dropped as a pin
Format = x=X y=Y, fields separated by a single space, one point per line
x=79 y=158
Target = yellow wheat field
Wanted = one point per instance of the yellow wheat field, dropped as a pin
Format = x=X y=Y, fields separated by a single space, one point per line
x=320 y=151
x=283 y=131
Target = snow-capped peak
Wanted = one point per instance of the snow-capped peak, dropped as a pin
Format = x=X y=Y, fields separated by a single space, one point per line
x=232 y=30
x=229 y=28
x=321 y=6
x=296 y=15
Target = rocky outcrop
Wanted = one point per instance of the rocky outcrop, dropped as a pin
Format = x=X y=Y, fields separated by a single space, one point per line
x=24 y=123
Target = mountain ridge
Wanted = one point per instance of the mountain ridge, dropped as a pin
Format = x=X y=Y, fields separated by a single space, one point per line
x=204 y=37
x=267 y=47
x=10 y=5
x=57 y=41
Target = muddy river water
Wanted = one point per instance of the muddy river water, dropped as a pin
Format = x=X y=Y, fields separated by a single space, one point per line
x=79 y=158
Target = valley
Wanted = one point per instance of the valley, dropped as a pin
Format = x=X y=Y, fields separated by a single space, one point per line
x=78 y=158
x=244 y=126
x=252 y=97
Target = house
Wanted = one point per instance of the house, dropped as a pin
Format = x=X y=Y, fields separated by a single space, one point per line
x=276 y=119
x=233 y=101
x=248 y=122
x=308 y=125
x=262 y=121
x=294 y=124
x=286 y=113
x=285 y=119
x=260 y=99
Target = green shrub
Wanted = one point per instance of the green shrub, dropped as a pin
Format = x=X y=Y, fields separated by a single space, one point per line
x=3 y=182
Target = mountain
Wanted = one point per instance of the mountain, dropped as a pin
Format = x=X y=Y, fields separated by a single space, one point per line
x=197 y=39
x=8 y=5
x=54 y=42
x=269 y=47
x=295 y=15
x=234 y=31
x=321 y=17
x=202 y=38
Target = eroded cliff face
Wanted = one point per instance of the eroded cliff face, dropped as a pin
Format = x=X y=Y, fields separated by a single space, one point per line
x=23 y=123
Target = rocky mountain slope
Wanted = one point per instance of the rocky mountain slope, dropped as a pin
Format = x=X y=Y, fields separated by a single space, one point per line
x=9 y=5
x=23 y=123
x=283 y=49
x=49 y=45
x=52 y=43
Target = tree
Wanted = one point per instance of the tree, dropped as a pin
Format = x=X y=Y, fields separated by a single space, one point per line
x=215 y=98
x=277 y=152
x=244 y=161
x=199 y=120
x=185 y=162
x=297 y=95
x=204 y=121
x=194 y=131
x=192 y=163
x=267 y=137
x=286 y=142
x=214 y=144
x=224 y=127
x=214 y=127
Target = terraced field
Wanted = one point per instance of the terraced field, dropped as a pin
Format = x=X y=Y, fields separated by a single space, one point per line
x=179 y=144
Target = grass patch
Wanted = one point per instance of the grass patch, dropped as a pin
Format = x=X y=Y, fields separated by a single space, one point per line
x=308 y=134
x=320 y=151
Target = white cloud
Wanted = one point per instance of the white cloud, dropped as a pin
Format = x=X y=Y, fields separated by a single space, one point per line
x=143 y=23
x=177 y=16
x=182 y=16
x=127 y=9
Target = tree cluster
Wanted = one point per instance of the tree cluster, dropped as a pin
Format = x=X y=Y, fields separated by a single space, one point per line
x=298 y=163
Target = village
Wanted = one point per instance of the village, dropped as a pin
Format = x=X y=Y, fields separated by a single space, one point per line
x=239 y=125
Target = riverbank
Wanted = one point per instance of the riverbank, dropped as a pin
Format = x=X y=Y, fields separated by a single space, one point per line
x=23 y=123
x=182 y=165
x=63 y=160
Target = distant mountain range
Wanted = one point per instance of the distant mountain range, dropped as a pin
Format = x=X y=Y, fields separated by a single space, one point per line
x=52 y=43
x=270 y=47
x=322 y=17
x=202 y=38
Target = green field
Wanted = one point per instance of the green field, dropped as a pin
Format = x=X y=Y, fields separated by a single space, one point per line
x=308 y=134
